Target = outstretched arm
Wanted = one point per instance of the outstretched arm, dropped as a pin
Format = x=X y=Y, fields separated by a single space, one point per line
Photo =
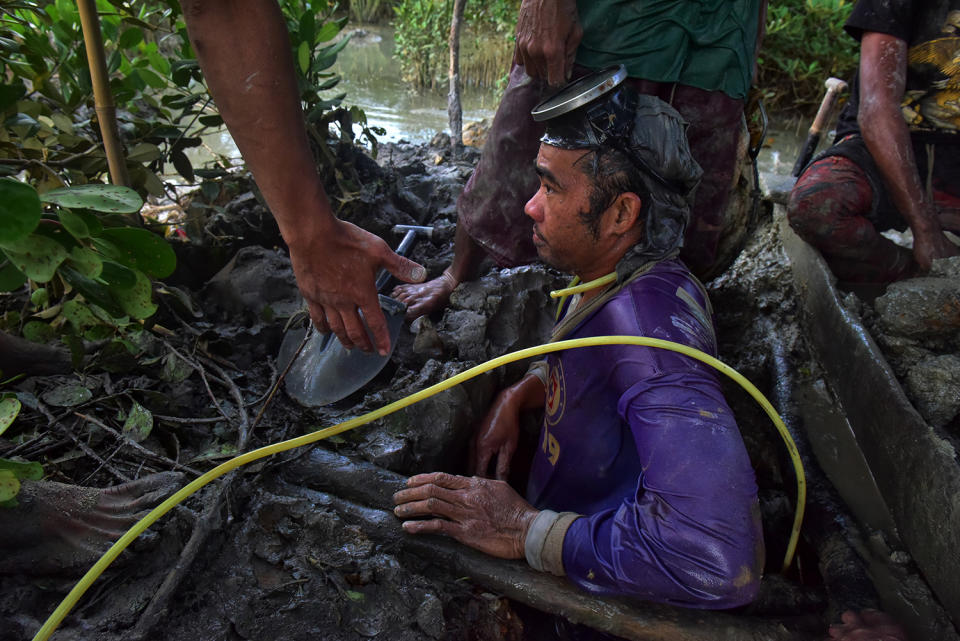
x=883 y=70
x=244 y=51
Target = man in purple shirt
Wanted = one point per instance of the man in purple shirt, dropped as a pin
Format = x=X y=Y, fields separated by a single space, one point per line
x=640 y=485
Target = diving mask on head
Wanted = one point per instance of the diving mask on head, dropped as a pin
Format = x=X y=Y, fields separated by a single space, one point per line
x=598 y=111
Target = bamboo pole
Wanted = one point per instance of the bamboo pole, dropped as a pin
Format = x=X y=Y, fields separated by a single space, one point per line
x=103 y=100
x=454 y=110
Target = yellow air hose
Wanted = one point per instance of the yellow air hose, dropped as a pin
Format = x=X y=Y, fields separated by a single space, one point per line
x=93 y=573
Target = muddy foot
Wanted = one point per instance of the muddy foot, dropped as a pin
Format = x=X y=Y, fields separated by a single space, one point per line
x=867 y=626
x=58 y=528
x=422 y=299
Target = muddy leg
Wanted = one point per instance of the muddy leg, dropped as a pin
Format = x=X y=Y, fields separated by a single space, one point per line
x=58 y=527
x=828 y=208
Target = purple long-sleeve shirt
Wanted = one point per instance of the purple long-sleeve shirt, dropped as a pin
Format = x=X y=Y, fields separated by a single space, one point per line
x=642 y=443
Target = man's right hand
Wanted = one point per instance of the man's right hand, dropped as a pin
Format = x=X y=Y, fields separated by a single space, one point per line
x=335 y=272
x=548 y=34
x=496 y=438
x=929 y=247
x=498 y=433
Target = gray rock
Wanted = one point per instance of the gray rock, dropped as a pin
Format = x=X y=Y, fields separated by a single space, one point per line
x=921 y=307
x=776 y=187
x=946 y=267
x=465 y=332
x=430 y=616
x=934 y=387
x=903 y=353
x=432 y=434
x=504 y=311
x=255 y=279
x=427 y=341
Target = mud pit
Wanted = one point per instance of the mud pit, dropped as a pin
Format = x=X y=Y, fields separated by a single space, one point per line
x=296 y=547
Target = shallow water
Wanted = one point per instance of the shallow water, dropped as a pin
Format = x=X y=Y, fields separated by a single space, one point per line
x=371 y=79
x=370 y=76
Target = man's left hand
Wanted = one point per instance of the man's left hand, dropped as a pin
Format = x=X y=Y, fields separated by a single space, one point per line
x=482 y=513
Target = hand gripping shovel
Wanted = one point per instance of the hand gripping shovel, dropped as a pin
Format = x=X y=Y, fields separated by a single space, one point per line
x=324 y=372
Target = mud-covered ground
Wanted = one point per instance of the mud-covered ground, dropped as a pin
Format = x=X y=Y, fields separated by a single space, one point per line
x=262 y=554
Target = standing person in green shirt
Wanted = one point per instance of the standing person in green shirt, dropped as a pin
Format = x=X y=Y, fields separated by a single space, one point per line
x=696 y=56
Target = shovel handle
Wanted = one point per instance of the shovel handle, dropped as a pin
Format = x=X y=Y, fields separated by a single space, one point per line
x=383 y=278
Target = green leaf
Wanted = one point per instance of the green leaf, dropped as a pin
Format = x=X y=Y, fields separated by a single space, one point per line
x=9 y=486
x=105 y=198
x=303 y=57
x=175 y=369
x=22 y=470
x=213 y=120
x=115 y=358
x=215 y=172
x=182 y=164
x=138 y=249
x=94 y=226
x=136 y=301
x=144 y=152
x=328 y=32
x=353 y=595
x=63 y=123
x=37 y=257
x=73 y=224
x=106 y=317
x=40 y=297
x=9 y=408
x=328 y=55
x=139 y=423
x=86 y=261
x=79 y=315
x=157 y=61
x=38 y=332
x=308 y=27
x=329 y=83
x=153 y=80
x=67 y=395
x=181 y=299
x=11 y=278
x=118 y=275
x=130 y=38
x=153 y=185
x=75 y=344
x=93 y=291
x=23 y=124
x=9 y=94
x=210 y=190
x=20 y=210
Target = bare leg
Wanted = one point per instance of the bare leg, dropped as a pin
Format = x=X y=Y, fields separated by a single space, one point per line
x=57 y=528
x=425 y=298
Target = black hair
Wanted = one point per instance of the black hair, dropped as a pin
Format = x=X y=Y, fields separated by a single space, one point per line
x=611 y=173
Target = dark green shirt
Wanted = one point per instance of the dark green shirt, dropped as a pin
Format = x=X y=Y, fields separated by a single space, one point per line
x=707 y=44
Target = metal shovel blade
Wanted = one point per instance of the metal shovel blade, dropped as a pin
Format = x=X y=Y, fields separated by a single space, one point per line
x=325 y=372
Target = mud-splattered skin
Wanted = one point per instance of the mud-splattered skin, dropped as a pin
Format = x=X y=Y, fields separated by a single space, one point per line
x=58 y=527
x=883 y=69
x=895 y=162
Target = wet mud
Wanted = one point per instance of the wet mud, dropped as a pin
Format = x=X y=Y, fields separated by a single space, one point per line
x=286 y=552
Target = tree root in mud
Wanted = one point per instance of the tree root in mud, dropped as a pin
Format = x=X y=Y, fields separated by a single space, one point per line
x=362 y=492
x=20 y=356
x=211 y=517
